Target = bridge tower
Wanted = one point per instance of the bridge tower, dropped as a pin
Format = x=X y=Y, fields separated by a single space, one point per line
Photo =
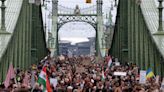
x=53 y=47
x=62 y=15
x=99 y=34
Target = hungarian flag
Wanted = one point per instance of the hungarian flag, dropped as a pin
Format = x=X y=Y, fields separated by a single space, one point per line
x=103 y=75
x=109 y=60
x=44 y=80
x=88 y=1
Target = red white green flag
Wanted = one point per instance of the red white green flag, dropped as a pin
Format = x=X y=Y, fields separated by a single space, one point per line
x=109 y=60
x=103 y=75
x=44 y=80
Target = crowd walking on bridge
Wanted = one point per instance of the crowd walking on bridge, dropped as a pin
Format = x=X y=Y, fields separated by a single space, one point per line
x=79 y=74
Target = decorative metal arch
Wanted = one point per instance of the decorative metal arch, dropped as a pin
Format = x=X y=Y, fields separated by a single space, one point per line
x=65 y=18
x=62 y=15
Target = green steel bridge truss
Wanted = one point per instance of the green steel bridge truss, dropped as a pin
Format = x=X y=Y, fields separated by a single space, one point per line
x=134 y=40
x=27 y=43
x=91 y=15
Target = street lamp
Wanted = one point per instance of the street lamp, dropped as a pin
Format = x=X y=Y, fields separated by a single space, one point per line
x=3 y=28
x=160 y=7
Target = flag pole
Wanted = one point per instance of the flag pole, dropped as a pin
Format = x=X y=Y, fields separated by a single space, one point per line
x=33 y=87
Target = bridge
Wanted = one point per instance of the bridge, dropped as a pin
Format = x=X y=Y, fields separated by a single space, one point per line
x=138 y=34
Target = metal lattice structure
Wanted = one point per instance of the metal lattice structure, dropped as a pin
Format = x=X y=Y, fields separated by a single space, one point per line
x=138 y=35
x=91 y=15
x=63 y=19
x=24 y=42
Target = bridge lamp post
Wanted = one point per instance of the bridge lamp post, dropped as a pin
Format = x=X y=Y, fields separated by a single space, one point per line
x=3 y=28
x=160 y=7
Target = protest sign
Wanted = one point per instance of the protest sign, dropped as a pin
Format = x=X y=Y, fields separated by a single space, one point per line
x=162 y=85
x=61 y=57
x=142 y=77
x=157 y=79
x=54 y=82
x=120 y=73
x=117 y=63
x=116 y=59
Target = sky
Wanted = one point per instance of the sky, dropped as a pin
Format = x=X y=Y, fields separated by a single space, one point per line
x=75 y=31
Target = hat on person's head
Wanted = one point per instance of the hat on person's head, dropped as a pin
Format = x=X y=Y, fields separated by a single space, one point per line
x=137 y=78
x=66 y=80
x=94 y=76
x=75 y=90
x=92 y=80
x=94 y=87
x=69 y=87
x=62 y=81
x=34 y=67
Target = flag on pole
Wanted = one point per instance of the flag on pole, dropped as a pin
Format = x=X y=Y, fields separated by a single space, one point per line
x=149 y=74
x=103 y=75
x=10 y=75
x=109 y=60
x=88 y=1
x=43 y=80
x=48 y=86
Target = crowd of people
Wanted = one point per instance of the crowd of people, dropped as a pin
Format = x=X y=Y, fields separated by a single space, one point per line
x=82 y=74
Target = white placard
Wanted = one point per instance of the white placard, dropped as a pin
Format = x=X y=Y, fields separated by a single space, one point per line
x=54 y=82
x=116 y=59
x=162 y=85
x=117 y=63
x=31 y=1
x=142 y=77
x=157 y=79
x=120 y=73
x=61 y=57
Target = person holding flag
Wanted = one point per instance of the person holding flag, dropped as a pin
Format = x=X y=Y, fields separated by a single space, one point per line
x=44 y=80
x=103 y=75
x=109 y=61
